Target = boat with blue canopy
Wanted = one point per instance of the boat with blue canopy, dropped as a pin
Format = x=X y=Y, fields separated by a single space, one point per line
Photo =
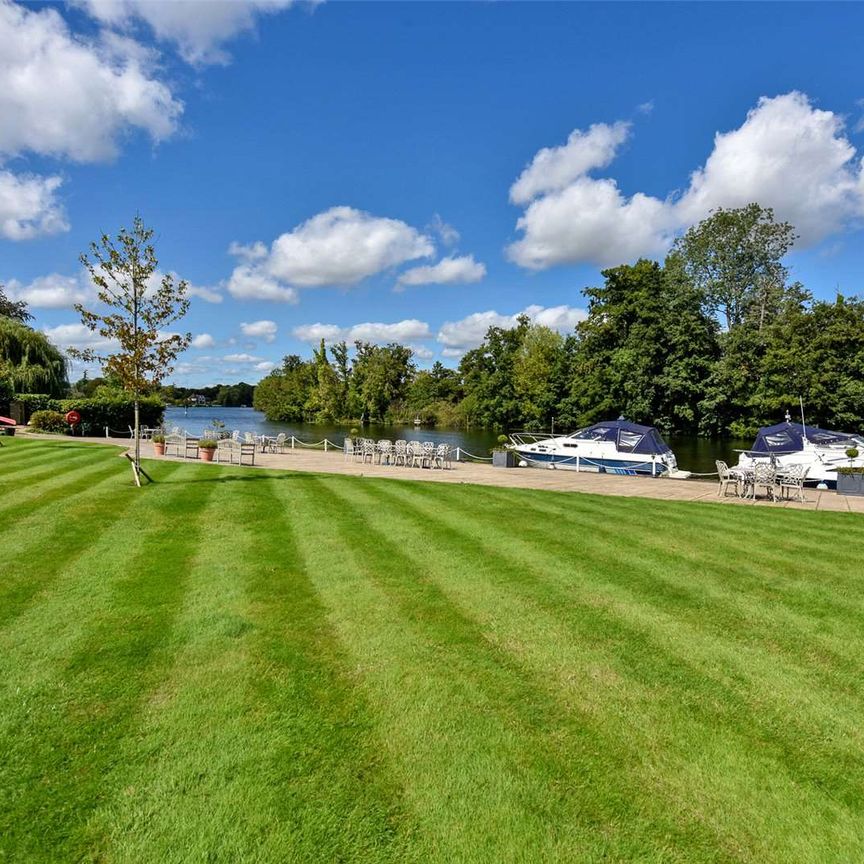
x=613 y=447
x=821 y=451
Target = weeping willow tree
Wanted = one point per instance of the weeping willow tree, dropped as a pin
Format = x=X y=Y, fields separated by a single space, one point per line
x=29 y=362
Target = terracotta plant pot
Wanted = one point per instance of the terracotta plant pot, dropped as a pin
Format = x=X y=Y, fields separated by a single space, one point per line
x=206 y=454
x=159 y=449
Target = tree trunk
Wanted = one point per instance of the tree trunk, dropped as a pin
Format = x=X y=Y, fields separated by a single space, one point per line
x=137 y=434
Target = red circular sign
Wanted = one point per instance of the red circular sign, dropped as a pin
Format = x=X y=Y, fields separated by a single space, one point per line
x=73 y=418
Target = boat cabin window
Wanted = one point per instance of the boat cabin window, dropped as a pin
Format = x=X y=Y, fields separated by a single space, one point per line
x=778 y=439
x=596 y=433
x=628 y=440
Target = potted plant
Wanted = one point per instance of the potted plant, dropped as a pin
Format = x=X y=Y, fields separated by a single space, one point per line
x=207 y=447
x=159 y=444
x=850 y=481
x=501 y=456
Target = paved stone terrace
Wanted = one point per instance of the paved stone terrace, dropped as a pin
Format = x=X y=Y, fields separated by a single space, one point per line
x=301 y=459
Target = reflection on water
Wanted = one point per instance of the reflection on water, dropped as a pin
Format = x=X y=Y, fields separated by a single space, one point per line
x=694 y=454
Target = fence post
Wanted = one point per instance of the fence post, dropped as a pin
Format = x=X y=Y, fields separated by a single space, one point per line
x=577 y=463
x=292 y=442
x=458 y=454
x=106 y=432
x=325 y=445
x=653 y=464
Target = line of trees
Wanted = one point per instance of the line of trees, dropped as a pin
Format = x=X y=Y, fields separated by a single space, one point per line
x=715 y=340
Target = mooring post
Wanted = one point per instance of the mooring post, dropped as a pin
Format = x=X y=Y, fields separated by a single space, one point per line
x=577 y=463
x=106 y=432
x=653 y=464
x=292 y=442
x=458 y=454
x=325 y=445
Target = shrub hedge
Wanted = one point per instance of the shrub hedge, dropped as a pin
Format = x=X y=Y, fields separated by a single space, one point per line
x=48 y=421
x=97 y=412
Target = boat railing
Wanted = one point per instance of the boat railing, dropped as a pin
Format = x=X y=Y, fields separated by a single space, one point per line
x=522 y=439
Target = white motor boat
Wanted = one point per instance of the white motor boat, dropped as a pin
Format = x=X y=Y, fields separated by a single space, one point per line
x=821 y=451
x=615 y=447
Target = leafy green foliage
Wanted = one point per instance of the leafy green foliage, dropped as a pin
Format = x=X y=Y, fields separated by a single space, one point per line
x=29 y=363
x=643 y=351
x=734 y=258
x=138 y=315
x=116 y=410
x=49 y=421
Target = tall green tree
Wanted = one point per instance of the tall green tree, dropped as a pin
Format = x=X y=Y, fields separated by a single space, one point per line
x=326 y=399
x=643 y=352
x=734 y=257
x=536 y=376
x=29 y=363
x=487 y=373
x=134 y=315
x=379 y=378
x=284 y=393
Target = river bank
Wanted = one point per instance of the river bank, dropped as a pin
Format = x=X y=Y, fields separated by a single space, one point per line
x=693 y=453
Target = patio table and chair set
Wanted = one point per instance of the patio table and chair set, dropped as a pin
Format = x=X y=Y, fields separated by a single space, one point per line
x=410 y=454
x=776 y=483
x=239 y=447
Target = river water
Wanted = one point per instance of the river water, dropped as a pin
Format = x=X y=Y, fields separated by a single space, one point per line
x=694 y=454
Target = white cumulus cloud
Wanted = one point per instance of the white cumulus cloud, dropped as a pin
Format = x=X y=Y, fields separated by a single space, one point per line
x=265 y=366
x=253 y=283
x=400 y=331
x=62 y=95
x=457 y=337
x=198 y=28
x=448 y=271
x=339 y=247
x=203 y=340
x=786 y=155
x=554 y=168
x=342 y=246
x=78 y=336
x=50 y=292
x=265 y=330
x=29 y=206
x=242 y=358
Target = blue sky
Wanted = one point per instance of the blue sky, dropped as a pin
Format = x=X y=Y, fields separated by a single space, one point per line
x=413 y=171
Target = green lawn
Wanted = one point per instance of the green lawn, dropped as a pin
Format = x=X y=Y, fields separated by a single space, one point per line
x=244 y=666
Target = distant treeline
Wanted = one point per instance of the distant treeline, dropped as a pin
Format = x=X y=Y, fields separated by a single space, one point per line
x=652 y=349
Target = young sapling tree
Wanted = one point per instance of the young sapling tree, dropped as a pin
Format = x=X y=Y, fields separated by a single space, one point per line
x=137 y=305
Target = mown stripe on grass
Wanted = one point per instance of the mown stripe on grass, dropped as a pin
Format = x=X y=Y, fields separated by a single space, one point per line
x=489 y=759
x=49 y=526
x=732 y=581
x=685 y=715
x=63 y=724
x=29 y=475
x=56 y=482
x=256 y=747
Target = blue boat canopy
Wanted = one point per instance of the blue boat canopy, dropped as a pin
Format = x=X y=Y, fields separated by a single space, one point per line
x=789 y=438
x=629 y=437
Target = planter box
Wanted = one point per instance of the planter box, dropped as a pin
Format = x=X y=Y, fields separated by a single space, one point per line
x=850 y=484
x=503 y=458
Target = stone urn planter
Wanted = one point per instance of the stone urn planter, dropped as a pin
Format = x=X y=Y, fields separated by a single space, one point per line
x=503 y=459
x=850 y=481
